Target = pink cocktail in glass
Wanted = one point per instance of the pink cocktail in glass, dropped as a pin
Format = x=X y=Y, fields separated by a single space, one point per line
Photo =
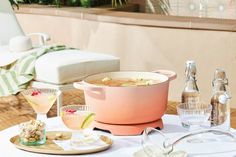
x=41 y=100
x=77 y=118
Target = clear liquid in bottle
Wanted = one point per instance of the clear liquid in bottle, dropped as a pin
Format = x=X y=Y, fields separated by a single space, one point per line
x=191 y=92
x=220 y=115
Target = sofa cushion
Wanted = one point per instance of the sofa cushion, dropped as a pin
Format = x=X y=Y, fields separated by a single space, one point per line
x=67 y=66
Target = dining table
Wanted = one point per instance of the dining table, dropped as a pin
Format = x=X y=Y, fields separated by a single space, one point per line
x=128 y=146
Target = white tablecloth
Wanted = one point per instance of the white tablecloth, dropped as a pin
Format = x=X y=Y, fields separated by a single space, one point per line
x=125 y=146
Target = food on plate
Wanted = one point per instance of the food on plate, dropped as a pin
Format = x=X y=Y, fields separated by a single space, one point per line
x=56 y=136
x=124 y=82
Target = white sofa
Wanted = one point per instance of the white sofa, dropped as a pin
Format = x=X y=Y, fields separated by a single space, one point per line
x=57 y=70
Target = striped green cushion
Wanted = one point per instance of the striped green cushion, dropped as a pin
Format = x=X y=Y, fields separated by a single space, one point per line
x=17 y=76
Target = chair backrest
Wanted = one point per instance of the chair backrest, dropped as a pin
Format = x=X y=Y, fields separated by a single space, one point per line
x=9 y=26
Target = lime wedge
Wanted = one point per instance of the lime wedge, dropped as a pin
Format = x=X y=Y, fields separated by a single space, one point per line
x=88 y=120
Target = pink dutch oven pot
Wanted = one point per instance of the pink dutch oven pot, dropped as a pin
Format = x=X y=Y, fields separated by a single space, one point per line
x=128 y=105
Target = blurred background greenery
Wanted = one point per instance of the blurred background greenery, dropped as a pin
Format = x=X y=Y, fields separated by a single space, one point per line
x=83 y=3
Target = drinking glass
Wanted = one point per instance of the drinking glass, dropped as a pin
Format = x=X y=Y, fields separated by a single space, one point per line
x=32 y=133
x=41 y=100
x=194 y=115
x=78 y=118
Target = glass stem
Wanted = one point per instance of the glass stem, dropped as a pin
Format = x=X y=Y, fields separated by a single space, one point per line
x=77 y=138
x=42 y=117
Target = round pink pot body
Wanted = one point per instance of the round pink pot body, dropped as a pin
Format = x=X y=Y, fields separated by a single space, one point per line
x=127 y=105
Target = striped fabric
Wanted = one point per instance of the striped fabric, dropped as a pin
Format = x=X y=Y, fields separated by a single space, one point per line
x=17 y=76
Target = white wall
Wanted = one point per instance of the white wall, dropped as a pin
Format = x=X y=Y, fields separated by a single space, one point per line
x=147 y=48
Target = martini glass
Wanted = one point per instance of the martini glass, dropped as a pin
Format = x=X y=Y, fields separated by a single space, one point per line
x=41 y=100
x=78 y=118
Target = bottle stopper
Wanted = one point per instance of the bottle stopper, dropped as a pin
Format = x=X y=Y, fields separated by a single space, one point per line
x=220 y=75
x=191 y=69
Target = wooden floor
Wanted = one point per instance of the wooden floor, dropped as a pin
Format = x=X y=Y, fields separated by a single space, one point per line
x=15 y=109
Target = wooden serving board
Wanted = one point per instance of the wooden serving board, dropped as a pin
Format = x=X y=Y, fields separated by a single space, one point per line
x=51 y=148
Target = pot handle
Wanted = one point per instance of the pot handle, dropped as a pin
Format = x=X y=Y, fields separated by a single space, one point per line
x=170 y=74
x=84 y=87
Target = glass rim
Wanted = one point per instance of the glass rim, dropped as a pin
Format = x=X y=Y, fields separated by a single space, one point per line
x=204 y=106
x=74 y=105
x=46 y=90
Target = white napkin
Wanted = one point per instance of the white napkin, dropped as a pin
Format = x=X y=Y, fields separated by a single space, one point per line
x=66 y=144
